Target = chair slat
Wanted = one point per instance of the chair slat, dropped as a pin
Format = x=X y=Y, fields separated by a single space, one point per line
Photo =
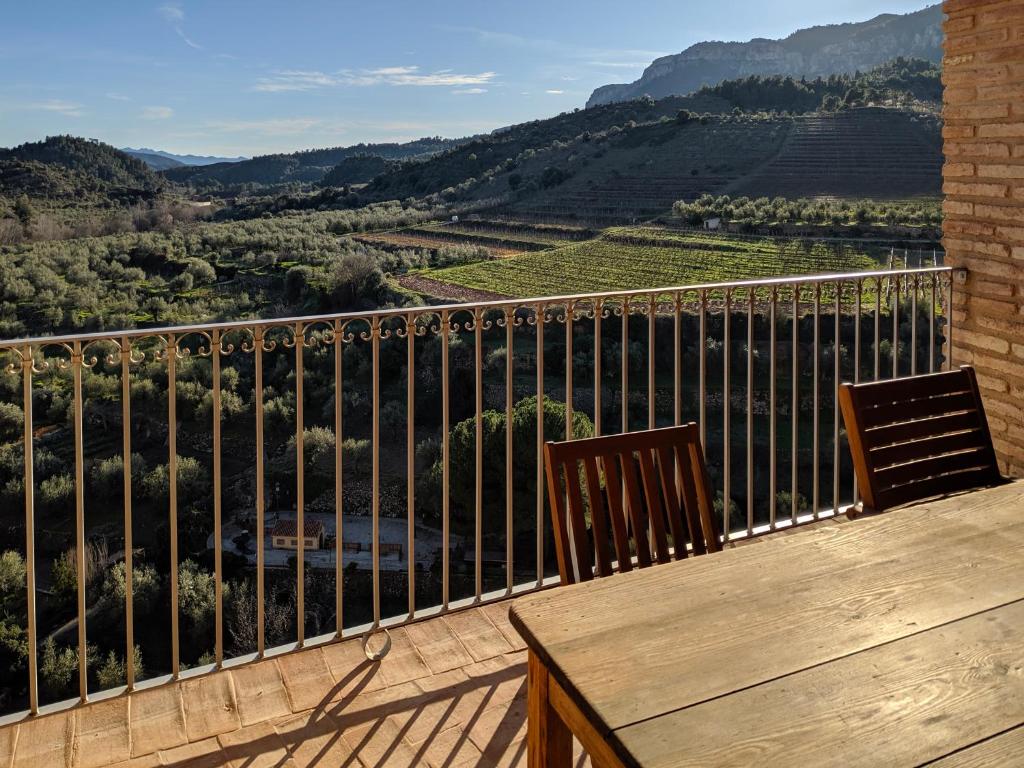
x=613 y=481
x=895 y=413
x=922 y=428
x=559 y=524
x=655 y=511
x=926 y=447
x=673 y=501
x=685 y=479
x=913 y=388
x=598 y=517
x=620 y=536
x=582 y=545
x=637 y=515
x=899 y=474
x=712 y=536
x=935 y=486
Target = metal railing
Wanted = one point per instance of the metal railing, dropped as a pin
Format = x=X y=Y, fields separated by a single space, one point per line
x=714 y=353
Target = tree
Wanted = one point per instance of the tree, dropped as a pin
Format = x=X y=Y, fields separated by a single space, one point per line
x=683 y=117
x=112 y=672
x=23 y=210
x=515 y=181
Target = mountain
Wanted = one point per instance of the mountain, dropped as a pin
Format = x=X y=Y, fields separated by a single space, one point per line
x=145 y=153
x=100 y=167
x=306 y=167
x=812 y=52
x=156 y=162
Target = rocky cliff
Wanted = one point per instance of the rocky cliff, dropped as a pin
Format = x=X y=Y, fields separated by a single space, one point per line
x=812 y=52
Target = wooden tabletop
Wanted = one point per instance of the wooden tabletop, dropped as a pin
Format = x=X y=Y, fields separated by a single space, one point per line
x=888 y=640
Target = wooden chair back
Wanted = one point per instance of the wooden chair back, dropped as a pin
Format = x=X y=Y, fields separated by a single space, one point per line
x=918 y=437
x=647 y=496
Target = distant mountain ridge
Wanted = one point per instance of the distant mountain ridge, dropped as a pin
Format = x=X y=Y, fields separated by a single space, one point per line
x=149 y=156
x=304 y=167
x=811 y=52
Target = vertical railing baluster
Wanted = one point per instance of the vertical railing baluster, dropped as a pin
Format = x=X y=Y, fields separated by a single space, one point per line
x=816 y=422
x=857 y=312
x=914 y=287
x=76 y=371
x=445 y=460
x=570 y=313
x=624 y=343
x=750 y=412
x=795 y=414
x=28 y=482
x=878 y=329
x=339 y=483
x=598 y=312
x=410 y=456
x=539 y=328
x=375 y=335
x=218 y=573
x=895 y=326
x=836 y=373
x=677 y=368
x=300 y=487
x=126 y=442
x=510 y=318
x=931 y=323
x=949 y=325
x=652 y=318
x=773 y=458
x=257 y=351
x=726 y=415
x=172 y=492
x=478 y=493
x=702 y=365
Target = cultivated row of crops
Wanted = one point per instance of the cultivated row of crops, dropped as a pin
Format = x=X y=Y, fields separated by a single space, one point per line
x=636 y=258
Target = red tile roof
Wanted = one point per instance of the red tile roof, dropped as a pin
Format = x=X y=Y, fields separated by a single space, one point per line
x=312 y=528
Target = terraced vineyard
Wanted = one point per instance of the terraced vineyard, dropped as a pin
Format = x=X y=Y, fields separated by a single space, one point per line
x=499 y=238
x=628 y=258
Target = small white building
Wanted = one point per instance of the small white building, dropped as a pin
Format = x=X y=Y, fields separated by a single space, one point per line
x=283 y=535
x=713 y=224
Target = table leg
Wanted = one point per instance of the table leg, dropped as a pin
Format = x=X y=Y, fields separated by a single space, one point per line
x=548 y=738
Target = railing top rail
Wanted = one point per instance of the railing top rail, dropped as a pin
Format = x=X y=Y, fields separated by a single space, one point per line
x=435 y=309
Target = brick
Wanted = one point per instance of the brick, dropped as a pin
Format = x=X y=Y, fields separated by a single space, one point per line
x=977 y=112
x=1001 y=130
x=991 y=288
x=976 y=246
x=259 y=689
x=102 y=733
x=958 y=131
x=975 y=189
x=1017 y=252
x=1001 y=15
x=974 y=42
x=977 y=150
x=45 y=741
x=991 y=384
x=1011 y=234
x=981 y=341
x=157 y=720
x=210 y=706
x=307 y=679
x=1002 y=171
x=962 y=24
x=999 y=212
x=957 y=208
x=958 y=169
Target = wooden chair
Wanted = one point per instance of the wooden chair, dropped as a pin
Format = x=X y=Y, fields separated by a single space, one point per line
x=630 y=513
x=918 y=437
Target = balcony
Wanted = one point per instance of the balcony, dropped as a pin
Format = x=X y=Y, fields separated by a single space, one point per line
x=427 y=424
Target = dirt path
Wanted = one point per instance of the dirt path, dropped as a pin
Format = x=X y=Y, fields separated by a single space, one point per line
x=446 y=291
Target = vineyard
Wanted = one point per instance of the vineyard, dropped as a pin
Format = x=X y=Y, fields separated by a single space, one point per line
x=629 y=258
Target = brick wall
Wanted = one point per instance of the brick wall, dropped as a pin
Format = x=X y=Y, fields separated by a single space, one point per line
x=983 y=75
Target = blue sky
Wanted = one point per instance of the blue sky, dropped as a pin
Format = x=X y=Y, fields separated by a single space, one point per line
x=258 y=76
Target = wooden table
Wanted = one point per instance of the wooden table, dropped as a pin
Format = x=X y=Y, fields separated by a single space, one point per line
x=891 y=640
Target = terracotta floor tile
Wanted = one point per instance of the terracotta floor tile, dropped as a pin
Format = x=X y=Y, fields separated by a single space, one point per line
x=307 y=679
x=478 y=634
x=260 y=691
x=101 y=733
x=314 y=740
x=450 y=748
x=257 y=746
x=157 y=720
x=210 y=706
x=438 y=645
x=200 y=754
x=498 y=615
x=380 y=745
x=45 y=741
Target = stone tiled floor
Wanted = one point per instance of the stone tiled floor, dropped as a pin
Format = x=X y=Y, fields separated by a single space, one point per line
x=451 y=693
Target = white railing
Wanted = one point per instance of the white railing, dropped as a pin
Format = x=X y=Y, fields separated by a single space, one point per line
x=454 y=477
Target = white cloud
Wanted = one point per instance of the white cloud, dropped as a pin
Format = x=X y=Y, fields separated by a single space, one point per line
x=554 y=91
x=157 y=113
x=306 y=80
x=467 y=91
x=620 y=64
x=66 y=108
x=174 y=15
x=117 y=96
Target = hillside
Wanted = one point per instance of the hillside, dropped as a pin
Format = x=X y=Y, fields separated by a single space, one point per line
x=856 y=153
x=110 y=167
x=182 y=159
x=306 y=167
x=813 y=52
x=156 y=162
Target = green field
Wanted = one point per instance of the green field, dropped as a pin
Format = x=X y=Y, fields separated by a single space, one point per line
x=637 y=258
